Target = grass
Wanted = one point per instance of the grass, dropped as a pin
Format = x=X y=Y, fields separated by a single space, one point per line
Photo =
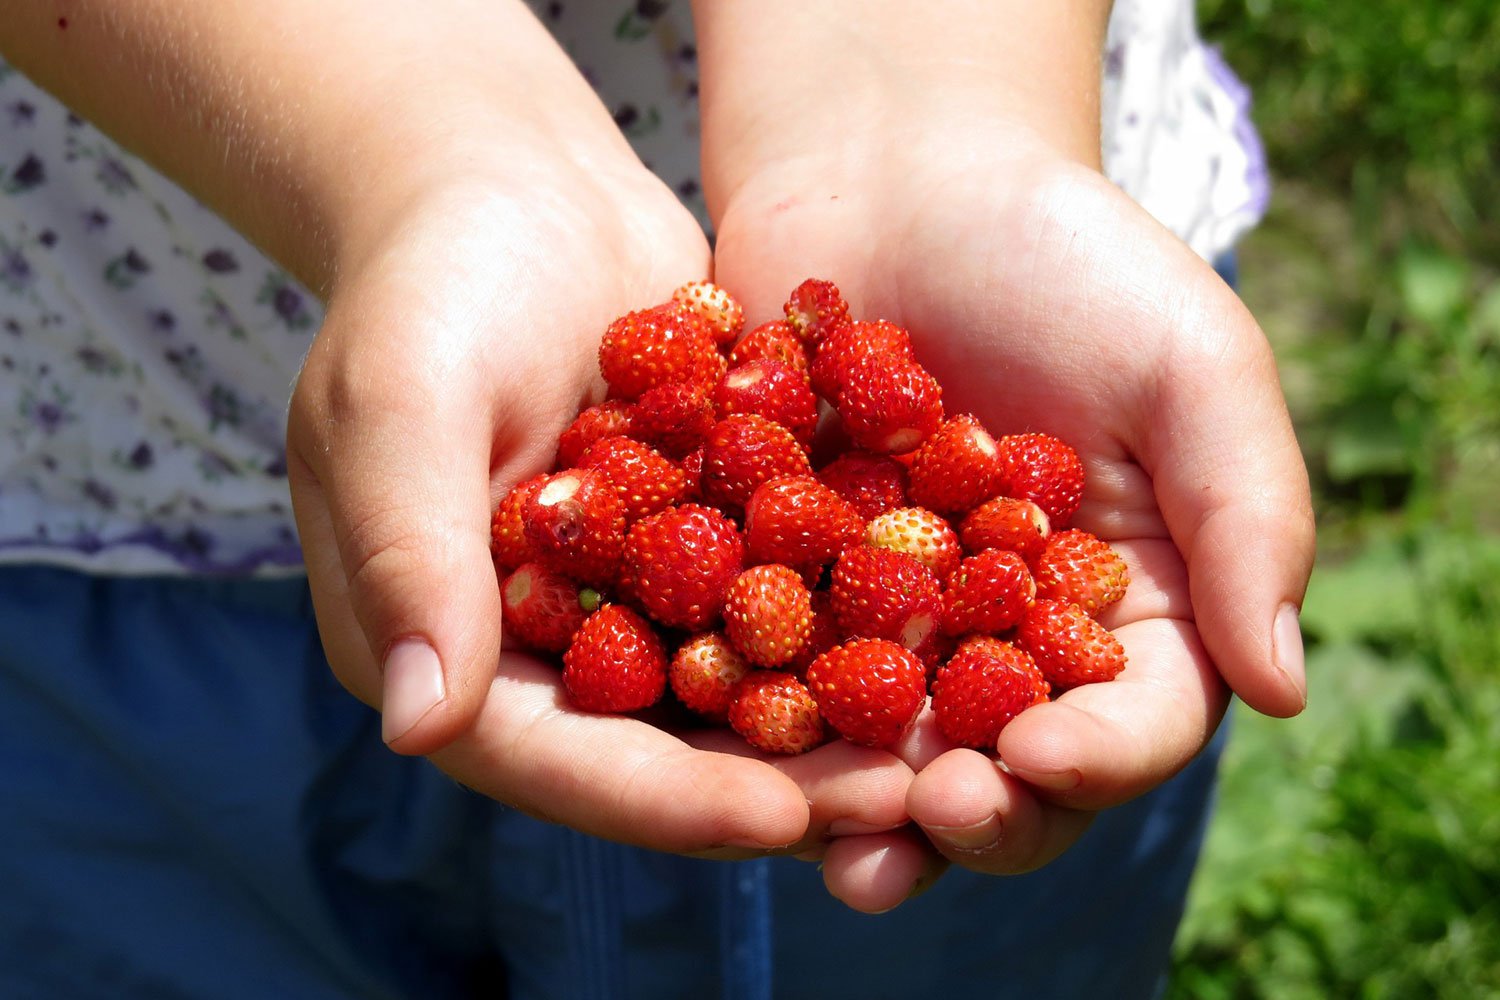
x=1356 y=852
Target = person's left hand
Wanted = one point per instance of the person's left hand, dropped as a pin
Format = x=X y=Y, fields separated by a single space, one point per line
x=1045 y=300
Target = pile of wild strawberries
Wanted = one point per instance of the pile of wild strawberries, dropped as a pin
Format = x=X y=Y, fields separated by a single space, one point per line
x=687 y=540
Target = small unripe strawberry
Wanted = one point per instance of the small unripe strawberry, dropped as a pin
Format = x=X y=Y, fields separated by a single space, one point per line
x=919 y=533
x=721 y=314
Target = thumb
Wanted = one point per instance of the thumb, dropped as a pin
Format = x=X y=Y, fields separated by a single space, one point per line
x=390 y=475
x=1233 y=489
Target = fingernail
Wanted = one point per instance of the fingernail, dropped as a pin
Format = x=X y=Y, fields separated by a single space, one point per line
x=1057 y=781
x=1286 y=643
x=980 y=836
x=751 y=844
x=413 y=687
x=853 y=828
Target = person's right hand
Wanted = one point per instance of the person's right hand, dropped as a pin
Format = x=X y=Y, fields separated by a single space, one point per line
x=454 y=352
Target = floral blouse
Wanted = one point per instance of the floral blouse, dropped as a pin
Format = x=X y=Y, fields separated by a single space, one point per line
x=147 y=351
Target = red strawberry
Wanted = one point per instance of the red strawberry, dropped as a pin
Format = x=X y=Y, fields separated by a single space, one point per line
x=1081 y=569
x=673 y=418
x=869 y=690
x=743 y=451
x=956 y=468
x=843 y=347
x=1040 y=468
x=879 y=593
x=607 y=419
x=704 y=672
x=775 y=712
x=988 y=593
x=543 y=609
x=919 y=533
x=814 y=308
x=874 y=484
x=798 y=521
x=692 y=468
x=775 y=340
x=616 y=662
x=768 y=615
x=652 y=347
x=577 y=525
x=981 y=688
x=508 y=525
x=1069 y=646
x=679 y=564
x=646 y=481
x=889 y=407
x=1018 y=526
x=720 y=313
x=773 y=390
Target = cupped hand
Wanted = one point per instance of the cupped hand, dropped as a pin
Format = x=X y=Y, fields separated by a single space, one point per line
x=1043 y=299
x=455 y=350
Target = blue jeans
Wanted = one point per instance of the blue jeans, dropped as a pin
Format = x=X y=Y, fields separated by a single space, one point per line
x=192 y=807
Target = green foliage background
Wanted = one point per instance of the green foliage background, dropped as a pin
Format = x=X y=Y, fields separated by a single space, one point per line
x=1356 y=851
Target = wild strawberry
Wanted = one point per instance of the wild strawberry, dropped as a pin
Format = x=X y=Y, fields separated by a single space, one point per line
x=775 y=340
x=1078 y=568
x=988 y=593
x=775 y=712
x=955 y=469
x=508 y=525
x=869 y=690
x=890 y=407
x=1040 y=468
x=577 y=525
x=879 y=593
x=616 y=662
x=646 y=481
x=768 y=615
x=1018 y=526
x=721 y=314
x=773 y=390
x=1069 y=646
x=542 y=609
x=982 y=687
x=678 y=564
x=919 y=533
x=607 y=419
x=797 y=521
x=652 y=347
x=814 y=308
x=846 y=346
x=673 y=418
x=743 y=451
x=703 y=674
x=874 y=484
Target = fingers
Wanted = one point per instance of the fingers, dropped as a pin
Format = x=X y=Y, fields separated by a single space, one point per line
x=879 y=872
x=1233 y=490
x=615 y=776
x=850 y=790
x=979 y=817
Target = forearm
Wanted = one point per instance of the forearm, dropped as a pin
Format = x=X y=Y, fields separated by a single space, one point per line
x=310 y=125
x=782 y=79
